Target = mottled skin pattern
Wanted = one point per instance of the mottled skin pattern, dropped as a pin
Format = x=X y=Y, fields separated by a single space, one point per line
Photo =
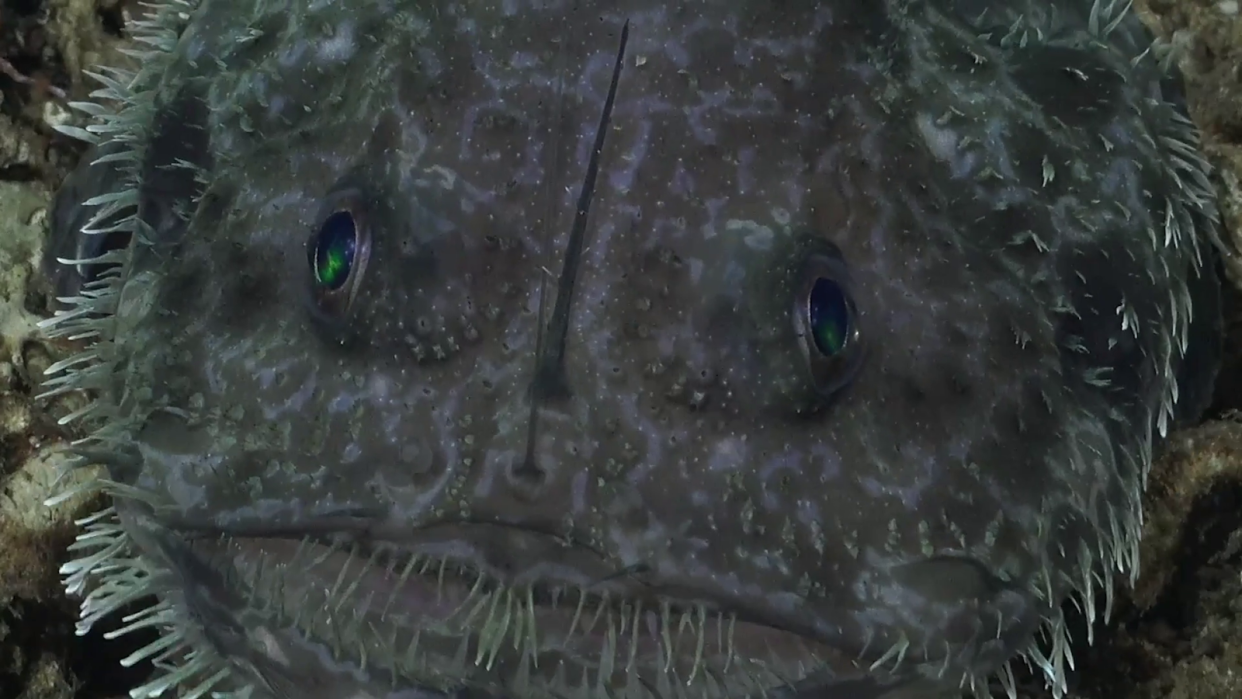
x=698 y=506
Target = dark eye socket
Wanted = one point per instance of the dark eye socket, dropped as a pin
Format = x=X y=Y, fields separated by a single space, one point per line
x=337 y=253
x=826 y=320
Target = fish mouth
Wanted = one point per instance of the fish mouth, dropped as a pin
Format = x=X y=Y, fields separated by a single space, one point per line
x=441 y=612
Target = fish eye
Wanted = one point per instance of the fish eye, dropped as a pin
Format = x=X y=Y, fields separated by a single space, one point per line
x=829 y=317
x=335 y=248
x=826 y=321
x=337 y=253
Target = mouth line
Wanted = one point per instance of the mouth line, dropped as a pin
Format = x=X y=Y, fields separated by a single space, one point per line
x=443 y=621
x=434 y=552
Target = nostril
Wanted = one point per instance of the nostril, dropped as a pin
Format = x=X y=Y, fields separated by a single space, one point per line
x=525 y=476
x=527 y=470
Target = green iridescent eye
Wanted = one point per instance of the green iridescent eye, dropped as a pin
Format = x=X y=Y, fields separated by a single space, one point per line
x=337 y=252
x=336 y=247
x=826 y=320
x=830 y=317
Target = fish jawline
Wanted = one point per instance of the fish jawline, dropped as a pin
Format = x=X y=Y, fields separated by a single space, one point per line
x=439 y=622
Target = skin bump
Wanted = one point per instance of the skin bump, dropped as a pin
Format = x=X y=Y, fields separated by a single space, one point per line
x=637 y=349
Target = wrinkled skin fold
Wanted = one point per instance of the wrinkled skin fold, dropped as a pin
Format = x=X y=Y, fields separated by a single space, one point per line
x=630 y=349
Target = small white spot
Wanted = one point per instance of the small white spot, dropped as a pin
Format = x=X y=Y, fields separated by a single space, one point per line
x=940 y=141
x=338 y=47
x=757 y=237
x=54 y=115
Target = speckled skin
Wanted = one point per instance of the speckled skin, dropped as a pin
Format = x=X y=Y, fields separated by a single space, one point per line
x=1017 y=226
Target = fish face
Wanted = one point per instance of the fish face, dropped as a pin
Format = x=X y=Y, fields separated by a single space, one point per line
x=637 y=349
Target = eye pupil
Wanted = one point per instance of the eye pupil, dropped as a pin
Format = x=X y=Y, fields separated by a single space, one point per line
x=335 y=248
x=830 y=317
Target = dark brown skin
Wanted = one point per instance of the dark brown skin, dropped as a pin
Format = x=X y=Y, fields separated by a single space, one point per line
x=741 y=347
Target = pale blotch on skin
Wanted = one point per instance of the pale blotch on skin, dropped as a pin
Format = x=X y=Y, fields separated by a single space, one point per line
x=849 y=379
